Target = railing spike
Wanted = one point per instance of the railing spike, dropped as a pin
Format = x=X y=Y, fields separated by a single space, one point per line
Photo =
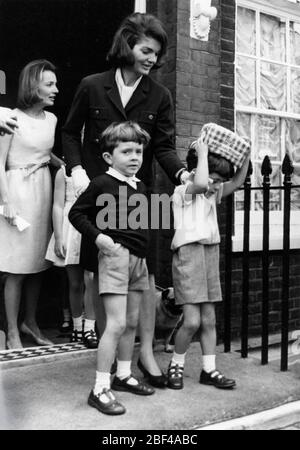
x=287 y=166
x=266 y=167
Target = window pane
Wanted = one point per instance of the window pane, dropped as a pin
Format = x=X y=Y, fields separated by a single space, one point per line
x=295 y=91
x=246 y=31
x=245 y=82
x=243 y=122
x=267 y=142
x=273 y=86
x=273 y=42
x=275 y=195
x=295 y=43
x=267 y=138
x=292 y=146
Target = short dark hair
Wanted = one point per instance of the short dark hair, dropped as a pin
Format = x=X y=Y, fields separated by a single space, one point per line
x=133 y=29
x=216 y=163
x=29 y=79
x=122 y=132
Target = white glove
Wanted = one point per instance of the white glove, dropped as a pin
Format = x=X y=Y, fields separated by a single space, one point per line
x=184 y=176
x=80 y=181
x=106 y=244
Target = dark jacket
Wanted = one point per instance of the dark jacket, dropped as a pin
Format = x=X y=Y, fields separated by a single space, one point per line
x=97 y=104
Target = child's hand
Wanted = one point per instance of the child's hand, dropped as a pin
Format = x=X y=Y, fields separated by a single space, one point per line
x=59 y=249
x=106 y=244
x=201 y=147
x=213 y=187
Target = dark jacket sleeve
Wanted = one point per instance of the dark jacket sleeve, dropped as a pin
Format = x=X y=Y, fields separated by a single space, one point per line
x=82 y=215
x=163 y=139
x=71 y=131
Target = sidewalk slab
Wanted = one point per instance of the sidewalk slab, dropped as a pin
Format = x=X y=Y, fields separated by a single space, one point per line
x=52 y=394
x=276 y=418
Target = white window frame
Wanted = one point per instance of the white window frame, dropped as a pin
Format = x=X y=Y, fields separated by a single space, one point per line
x=140 y=6
x=291 y=11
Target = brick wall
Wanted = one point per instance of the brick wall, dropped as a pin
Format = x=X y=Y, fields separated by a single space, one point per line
x=192 y=74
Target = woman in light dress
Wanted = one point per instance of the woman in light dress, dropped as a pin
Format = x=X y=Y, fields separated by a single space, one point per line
x=26 y=192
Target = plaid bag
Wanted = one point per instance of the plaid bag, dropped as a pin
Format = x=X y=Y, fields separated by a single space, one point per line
x=225 y=143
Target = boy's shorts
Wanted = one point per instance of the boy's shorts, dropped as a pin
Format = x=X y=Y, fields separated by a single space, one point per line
x=121 y=271
x=196 y=277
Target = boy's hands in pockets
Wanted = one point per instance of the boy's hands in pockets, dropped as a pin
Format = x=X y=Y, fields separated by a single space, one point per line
x=106 y=244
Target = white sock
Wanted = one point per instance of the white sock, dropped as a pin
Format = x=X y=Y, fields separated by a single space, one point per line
x=89 y=325
x=209 y=363
x=124 y=371
x=66 y=314
x=102 y=382
x=178 y=359
x=77 y=323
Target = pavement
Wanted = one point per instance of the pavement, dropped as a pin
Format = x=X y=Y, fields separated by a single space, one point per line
x=49 y=392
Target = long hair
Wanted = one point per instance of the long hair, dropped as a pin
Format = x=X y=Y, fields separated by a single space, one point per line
x=29 y=79
x=132 y=29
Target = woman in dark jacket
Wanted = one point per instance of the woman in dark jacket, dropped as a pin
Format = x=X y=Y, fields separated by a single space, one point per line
x=126 y=92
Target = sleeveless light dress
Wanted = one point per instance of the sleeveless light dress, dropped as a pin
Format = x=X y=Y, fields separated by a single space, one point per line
x=30 y=191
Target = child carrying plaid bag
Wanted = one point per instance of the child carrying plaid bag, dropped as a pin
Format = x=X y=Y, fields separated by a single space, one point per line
x=195 y=246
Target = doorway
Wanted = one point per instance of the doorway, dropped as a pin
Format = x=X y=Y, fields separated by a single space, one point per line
x=75 y=35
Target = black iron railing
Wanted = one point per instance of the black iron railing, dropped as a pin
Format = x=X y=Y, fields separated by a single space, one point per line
x=286 y=187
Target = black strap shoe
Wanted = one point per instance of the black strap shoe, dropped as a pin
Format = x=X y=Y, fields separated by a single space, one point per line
x=139 y=389
x=90 y=339
x=108 y=405
x=175 y=376
x=159 y=381
x=217 y=379
x=76 y=336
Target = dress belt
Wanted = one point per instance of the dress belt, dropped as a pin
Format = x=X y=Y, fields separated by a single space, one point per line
x=30 y=168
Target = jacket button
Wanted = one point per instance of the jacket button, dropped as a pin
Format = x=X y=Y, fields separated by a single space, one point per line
x=97 y=140
x=97 y=111
x=150 y=116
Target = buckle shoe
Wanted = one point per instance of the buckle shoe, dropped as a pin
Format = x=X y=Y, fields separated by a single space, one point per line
x=175 y=376
x=111 y=407
x=138 y=389
x=90 y=339
x=76 y=336
x=217 y=379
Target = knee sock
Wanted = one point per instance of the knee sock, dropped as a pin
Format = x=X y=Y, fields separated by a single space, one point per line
x=89 y=325
x=102 y=382
x=178 y=359
x=77 y=323
x=124 y=371
x=209 y=363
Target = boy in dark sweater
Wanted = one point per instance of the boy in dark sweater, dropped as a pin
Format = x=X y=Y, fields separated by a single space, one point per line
x=106 y=214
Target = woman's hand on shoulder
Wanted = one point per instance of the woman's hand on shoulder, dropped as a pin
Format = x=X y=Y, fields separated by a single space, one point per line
x=8 y=121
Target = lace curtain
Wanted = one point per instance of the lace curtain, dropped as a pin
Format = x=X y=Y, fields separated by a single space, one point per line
x=273 y=95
